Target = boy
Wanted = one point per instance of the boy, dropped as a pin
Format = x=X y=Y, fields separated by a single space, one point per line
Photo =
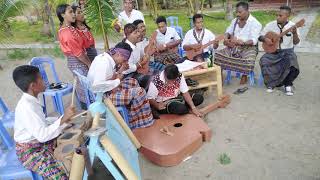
x=33 y=133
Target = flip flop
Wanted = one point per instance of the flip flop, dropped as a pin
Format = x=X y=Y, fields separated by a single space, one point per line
x=241 y=90
x=191 y=82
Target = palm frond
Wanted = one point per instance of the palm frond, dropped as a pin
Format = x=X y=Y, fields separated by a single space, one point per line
x=99 y=15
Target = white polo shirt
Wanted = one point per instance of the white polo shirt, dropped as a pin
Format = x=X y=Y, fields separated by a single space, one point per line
x=287 y=39
x=170 y=35
x=207 y=37
x=250 y=31
x=125 y=19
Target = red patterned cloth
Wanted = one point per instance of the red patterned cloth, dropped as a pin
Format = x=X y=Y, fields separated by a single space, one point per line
x=71 y=43
x=166 y=90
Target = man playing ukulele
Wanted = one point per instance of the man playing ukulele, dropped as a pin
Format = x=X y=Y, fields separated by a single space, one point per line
x=281 y=67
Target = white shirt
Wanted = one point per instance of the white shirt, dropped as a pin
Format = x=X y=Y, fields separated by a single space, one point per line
x=134 y=58
x=287 y=40
x=207 y=37
x=134 y=15
x=102 y=69
x=170 y=35
x=250 y=31
x=153 y=92
x=31 y=124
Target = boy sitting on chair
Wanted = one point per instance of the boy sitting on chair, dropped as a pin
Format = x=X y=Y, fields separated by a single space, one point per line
x=33 y=132
x=164 y=90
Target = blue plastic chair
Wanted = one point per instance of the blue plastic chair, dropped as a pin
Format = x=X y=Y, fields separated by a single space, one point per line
x=7 y=118
x=10 y=166
x=238 y=75
x=90 y=96
x=172 y=21
x=56 y=95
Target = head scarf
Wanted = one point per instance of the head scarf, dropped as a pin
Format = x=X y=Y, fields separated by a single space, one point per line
x=124 y=52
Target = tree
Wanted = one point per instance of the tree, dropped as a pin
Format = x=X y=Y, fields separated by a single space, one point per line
x=153 y=5
x=99 y=15
x=229 y=13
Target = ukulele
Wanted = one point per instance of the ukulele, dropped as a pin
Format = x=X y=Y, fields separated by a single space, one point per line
x=275 y=38
x=194 y=52
x=150 y=49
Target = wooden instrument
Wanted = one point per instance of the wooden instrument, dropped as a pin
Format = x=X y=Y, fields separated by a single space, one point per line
x=194 y=52
x=222 y=103
x=275 y=37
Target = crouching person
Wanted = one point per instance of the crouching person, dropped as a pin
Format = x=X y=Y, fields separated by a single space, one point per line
x=33 y=132
x=164 y=94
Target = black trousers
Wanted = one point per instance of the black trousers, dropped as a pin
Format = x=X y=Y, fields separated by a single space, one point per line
x=179 y=106
x=293 y=74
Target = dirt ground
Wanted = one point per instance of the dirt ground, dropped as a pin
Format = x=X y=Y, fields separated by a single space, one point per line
x=266 y=136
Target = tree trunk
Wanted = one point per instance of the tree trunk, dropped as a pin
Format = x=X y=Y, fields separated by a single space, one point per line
x=144 y=5
x=210 y=3
x=229 y=13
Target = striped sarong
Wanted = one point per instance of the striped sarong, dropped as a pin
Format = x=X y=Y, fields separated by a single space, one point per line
x=38 y=157
x=75 y=64
x=131 y=95
x=91 y=53
x=275 y=67
x=239 y=59
x=167 y=58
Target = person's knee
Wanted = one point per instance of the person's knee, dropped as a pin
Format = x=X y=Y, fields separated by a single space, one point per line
x=197 y=99
x=177 y=108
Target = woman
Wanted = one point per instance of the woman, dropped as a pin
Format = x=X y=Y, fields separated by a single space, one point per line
x=84 y=31
x=72 y=45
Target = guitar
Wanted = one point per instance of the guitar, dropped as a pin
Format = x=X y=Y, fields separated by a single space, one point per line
x=275 y=37
x=150 y=49
x=194 y=52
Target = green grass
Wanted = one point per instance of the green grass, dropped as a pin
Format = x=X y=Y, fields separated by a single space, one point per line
x=224 y=159
x=24 y=54
x=314 y=32
x=25 y=33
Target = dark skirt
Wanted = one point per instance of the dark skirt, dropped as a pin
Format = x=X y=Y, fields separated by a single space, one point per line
x=91 y=53
x=275 y=67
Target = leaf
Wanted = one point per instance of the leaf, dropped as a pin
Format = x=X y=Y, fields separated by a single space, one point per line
x=224 y=159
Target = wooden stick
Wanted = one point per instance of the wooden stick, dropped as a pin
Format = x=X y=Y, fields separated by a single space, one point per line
x=122 y=123
x=222 y=102
x=118 y=158
x=96 y=120
x=78 y=115
x=73 y=90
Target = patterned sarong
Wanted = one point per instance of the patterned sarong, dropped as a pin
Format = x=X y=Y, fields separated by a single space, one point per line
x=91 y=53
x=38 y=157
x=167 y=58
x=75 y=64
x=275 y=67
x=131 y=95
x=239 y=59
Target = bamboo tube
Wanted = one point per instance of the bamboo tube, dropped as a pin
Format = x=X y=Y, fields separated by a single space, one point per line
x=77 y=167
x=122 y=123
x=118 y=158
x=96 y=120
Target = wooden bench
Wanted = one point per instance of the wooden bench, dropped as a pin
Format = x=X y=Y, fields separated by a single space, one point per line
x=207 y=77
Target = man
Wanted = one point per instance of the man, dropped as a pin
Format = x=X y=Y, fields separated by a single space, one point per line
x=281 y=68
x=167 y=41
x=164 y=91
x=241 y=39
x=129 y=14
x=137 y=59
x=107 y=68
x=198 y=36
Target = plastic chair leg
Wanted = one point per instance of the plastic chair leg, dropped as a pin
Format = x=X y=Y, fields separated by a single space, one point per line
x=251 y=78
x=261 y=80
x=60 y=104
x=228 y=78
x=36 y=176
x=238 y=75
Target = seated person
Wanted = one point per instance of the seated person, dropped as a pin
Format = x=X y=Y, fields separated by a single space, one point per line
x=138 y=60
x=35 y=134
x=164 y=90
x=198 y=36
x=108 y=68
x=167 y=41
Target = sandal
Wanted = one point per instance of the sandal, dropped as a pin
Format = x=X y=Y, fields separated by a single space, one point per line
x=241 y=90
x=191 y=82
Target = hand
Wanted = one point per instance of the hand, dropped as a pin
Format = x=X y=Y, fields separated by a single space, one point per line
x=239 y=42
x=268 y=41
x=196 y=112
x=117 y=27
x=161 y=48
x=124 y=66
x=196 y=47
x=294 y=30
x=68 y=113
x=161 y=105
x=229 y=43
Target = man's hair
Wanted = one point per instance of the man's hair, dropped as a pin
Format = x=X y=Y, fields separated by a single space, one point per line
x=161 y=19
x=196 y=16
x=124 y=45
x=129 y=28
x=137 y=22
x=286 y=8
x=171 y=71
x=242 y=4
x=24 y=75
